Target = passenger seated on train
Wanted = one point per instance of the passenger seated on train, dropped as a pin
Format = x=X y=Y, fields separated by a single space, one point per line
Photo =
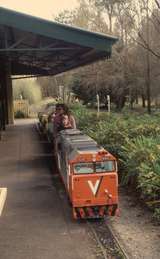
x=62 y=109
x=57 y=117
x=65 y=123
x=61 y=121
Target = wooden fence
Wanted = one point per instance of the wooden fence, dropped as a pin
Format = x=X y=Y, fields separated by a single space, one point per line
x=21 y=106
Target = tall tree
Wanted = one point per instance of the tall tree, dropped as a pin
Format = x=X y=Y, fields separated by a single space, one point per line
x=108 y=7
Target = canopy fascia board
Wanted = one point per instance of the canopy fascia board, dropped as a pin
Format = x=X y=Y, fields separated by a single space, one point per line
x=56 y=30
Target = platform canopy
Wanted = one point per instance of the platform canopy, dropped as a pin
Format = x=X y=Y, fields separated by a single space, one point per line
x=37 y=46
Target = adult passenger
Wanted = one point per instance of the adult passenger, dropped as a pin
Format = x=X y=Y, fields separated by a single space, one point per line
x=58 y=120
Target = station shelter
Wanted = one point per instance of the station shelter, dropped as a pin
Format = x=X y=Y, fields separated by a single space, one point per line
x=36 y=47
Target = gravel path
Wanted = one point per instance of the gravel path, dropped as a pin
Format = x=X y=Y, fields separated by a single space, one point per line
x=136 y=231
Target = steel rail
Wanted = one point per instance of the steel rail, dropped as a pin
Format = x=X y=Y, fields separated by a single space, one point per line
x=118 y=244
x=97 y=240
x=114 y=237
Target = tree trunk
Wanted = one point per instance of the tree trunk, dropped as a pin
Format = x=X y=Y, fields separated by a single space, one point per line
x=148 y=79
x=110 y=23
x=143 y=101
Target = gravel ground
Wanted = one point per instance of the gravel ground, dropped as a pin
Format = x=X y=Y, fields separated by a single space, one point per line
x=136 y=230
x=105 y=240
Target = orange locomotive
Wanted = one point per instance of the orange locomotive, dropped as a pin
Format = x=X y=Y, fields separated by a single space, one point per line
x=89 y=173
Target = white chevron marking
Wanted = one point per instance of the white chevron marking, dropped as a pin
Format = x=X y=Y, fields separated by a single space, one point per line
x=94 y=188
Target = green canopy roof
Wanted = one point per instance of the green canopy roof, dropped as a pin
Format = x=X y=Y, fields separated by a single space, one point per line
x=37 y=46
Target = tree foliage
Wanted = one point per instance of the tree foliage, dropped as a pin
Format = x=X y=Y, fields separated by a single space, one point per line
x=134 y=67
x=27 y=89
x=49 y=86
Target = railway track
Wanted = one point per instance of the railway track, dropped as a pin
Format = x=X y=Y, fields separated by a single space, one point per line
x=107 y=242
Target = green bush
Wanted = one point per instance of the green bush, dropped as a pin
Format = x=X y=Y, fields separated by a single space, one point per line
x=141 y=164
x=156 y=214
x=19 y=115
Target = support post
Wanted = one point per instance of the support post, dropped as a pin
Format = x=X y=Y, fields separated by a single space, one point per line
x=3 y=99
x=6 y=92
x=9 y=93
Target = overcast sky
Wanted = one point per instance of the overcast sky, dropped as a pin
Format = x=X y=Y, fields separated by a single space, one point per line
x=42 y=8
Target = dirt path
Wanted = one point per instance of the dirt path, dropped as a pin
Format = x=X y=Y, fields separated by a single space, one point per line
x=135 y=229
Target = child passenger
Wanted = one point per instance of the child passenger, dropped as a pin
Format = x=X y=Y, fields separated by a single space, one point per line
x=65 y=123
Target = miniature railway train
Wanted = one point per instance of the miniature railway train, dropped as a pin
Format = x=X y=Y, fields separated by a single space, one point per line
x=89 y=173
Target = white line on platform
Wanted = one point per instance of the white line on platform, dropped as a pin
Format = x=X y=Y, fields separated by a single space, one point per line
x=3 y=195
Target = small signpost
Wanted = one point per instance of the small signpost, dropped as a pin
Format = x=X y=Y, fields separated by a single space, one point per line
x=109 y=103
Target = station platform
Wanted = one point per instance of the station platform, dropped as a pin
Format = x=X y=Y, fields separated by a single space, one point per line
x=36 y=221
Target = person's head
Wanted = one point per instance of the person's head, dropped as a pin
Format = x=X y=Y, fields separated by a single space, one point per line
x=59 y=108
x=62 y=108
x=65 y=120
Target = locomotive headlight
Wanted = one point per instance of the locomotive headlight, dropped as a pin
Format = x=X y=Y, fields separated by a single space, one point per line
x=108 y=194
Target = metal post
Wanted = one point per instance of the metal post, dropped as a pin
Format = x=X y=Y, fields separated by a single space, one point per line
x=98 y=105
